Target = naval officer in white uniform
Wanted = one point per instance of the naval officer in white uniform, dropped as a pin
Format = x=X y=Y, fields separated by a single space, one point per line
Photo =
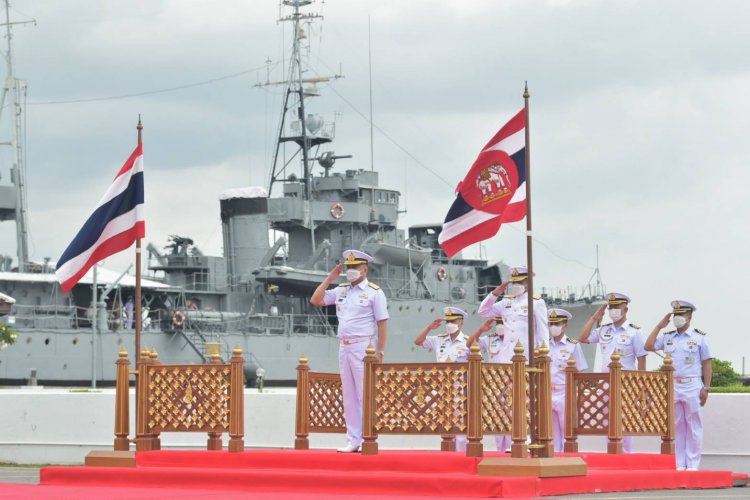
x=691 y=359
x=362 y=312
x=498 y=351
x=449 y=347
x=619 y=336
x=562 y=348
x=514 y=310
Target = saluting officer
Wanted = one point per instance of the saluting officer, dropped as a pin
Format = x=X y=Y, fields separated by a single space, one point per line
x=619 y=336
x=498 y=351
x=514 y=309
x=363 y=319
x=562 y=348
x=449 y=346
x=691 y=358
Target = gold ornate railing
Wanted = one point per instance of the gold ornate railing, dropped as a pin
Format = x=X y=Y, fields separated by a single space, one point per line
x=620 y=403
x=181 y=398
x=446 y=399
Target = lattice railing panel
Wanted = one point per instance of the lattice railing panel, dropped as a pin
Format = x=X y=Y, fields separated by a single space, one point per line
x=326 y=403
x=644 y=402
x=497 y=398
x=188 y=398
x=421 y=399
x=592 y=391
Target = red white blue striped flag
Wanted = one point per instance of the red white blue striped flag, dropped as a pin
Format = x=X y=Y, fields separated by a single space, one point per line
x=117 y=222
x=493 y=192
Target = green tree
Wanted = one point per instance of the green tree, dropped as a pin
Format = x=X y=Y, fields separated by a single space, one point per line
x=723 y=374
x=7 y=335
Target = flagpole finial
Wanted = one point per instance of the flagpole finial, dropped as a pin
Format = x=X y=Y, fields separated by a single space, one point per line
x=140 y=125
x=526 y=89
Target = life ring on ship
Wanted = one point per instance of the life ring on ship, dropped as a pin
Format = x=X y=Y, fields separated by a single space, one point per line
x=442 y=274
x=178 y=319
x=337 y=211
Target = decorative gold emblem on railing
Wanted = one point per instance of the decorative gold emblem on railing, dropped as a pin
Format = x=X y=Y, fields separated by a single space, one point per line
x=410 y=398
x=202 y=405
x=644 y=397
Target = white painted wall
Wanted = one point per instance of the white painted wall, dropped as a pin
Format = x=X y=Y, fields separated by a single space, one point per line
x=56 y=426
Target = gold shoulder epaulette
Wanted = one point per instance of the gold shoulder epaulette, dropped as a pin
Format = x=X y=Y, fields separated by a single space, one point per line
x=572 y=341
x=345 y=284
x=444 y=334
x=699 y=331
x=635 y=326
x=373 y=285
x=537 y=296
x=508 y=296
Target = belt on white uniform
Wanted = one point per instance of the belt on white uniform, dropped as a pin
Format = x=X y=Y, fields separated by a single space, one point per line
x=354 y=340
x=685 y=380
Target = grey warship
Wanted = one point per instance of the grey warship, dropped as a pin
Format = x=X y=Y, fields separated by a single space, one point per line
x=255 y=295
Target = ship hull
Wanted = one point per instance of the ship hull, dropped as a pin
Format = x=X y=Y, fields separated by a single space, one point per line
x=64 y=356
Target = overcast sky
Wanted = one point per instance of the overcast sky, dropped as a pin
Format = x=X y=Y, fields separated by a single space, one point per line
x=639 y=118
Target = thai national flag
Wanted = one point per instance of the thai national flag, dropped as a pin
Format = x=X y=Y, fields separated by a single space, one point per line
x=117 y=223
x=493 y=192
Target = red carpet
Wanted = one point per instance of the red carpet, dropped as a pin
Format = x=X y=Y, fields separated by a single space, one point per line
x=289 y=473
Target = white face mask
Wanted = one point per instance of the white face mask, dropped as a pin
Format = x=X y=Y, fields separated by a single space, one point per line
x=352 y=275
x=500 y=330
x=679 y=321
x=555 y=330
x=451 y=328
x=517 y=289
x=615 y=314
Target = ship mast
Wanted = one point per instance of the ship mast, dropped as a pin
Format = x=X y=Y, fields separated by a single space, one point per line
x=15 y=206
x=302 y=131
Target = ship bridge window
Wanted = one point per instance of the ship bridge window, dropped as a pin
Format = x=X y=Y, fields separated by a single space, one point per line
x=387 y=197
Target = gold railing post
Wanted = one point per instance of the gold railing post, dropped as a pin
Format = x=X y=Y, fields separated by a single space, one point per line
x=155 y=436
x=571 y=408
x=519 y=449
x=474 y=411
x=236 y=401
x=667 y=440
x=144 y=440
x=302 y=421
x=545 y=448
x=614 y=446
x=122 y=401
x=369 y=434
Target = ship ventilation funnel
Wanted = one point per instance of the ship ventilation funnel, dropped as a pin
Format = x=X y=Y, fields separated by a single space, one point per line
x=244 y=221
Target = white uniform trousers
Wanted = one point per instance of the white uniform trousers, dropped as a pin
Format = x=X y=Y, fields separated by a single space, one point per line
x=503 y=442
x=558 y=419
x=688 y=432
x=352 y=370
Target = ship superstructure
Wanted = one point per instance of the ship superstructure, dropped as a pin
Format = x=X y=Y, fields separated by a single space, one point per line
x=317 y=203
